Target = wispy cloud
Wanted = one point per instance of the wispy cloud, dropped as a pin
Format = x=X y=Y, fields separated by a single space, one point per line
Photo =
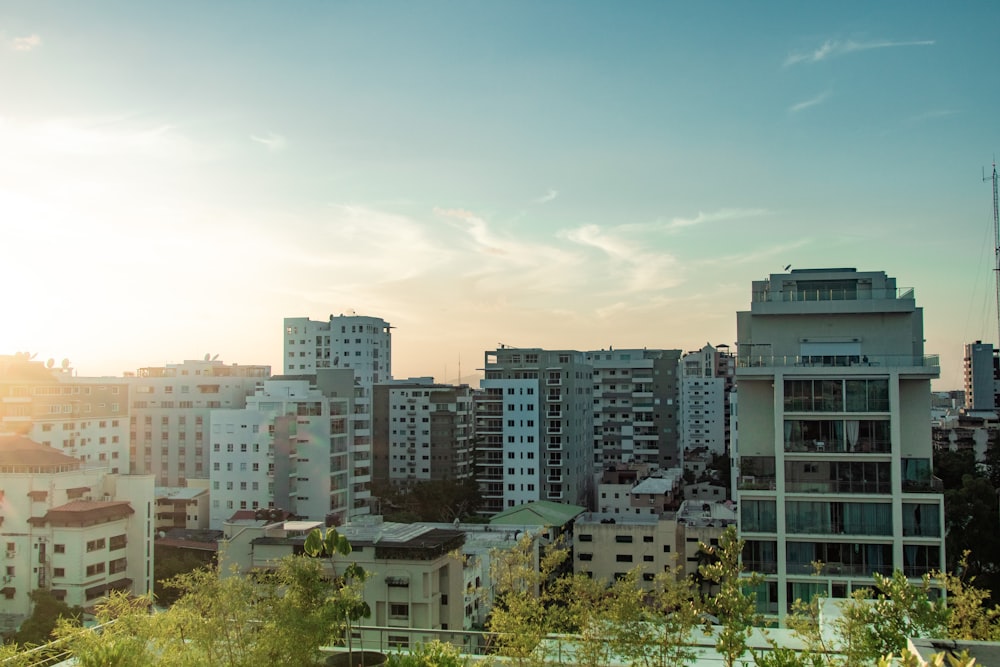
x=811 y=102
x=723 y=214
x=834 y=47
x=547 y=197
x=27 y=43
x=271 y=141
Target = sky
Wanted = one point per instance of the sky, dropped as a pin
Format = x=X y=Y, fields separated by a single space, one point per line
x=178 y=177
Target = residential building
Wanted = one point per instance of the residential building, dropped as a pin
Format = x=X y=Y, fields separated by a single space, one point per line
x=534 y=422
x=185 y=508
x=607 y=547
x=834 y=454
x=418 y=580
x=292 y=447
x=981 y=370
x=68 y=527
x=171 y=411
x=363 y=344
x=421 y=431
x=86 y=418
x=706 y=377
x=636 y=409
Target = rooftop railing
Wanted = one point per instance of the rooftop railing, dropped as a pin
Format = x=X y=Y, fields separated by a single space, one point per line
x=832 y=294
x=874 y=360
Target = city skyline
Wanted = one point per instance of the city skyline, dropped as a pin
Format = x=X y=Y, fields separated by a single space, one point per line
x=557 y=175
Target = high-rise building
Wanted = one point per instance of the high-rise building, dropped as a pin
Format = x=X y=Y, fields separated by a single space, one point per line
x=981 y=366
x=361 y=343
x=636 y=411
x=535 y=428
x=421 y=431
x=292 y=447
x=83 y=417
x=707 y=377
x=834 y=453
x=171 y=410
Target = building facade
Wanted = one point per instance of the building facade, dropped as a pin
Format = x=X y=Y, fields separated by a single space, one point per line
x=71 y=528
x=535 y=428
x=834 y=454
x=86 y=418
x=636 y=410
x=421 y=431
x=707 y=377
x=291 y=448
x=981 y=372
x=363 y=344
x=171 y=409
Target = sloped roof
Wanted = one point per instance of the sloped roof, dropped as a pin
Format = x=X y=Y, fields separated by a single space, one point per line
x=538 y=513
x=87 y=512
x=18 y=451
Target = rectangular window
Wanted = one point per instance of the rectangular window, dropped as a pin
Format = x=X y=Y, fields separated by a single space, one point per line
x=399 y=611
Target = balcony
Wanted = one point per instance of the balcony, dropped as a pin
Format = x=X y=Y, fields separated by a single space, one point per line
x=931 y=485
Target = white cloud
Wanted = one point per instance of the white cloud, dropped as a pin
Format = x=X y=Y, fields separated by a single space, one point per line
x=547 y=197
x=720 y=215
x=811 y=102
x=833 y=48
x=273 y=142
x=28 y=43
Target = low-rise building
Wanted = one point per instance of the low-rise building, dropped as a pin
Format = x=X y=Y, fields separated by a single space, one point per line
x=69 y=528
x=182 y=507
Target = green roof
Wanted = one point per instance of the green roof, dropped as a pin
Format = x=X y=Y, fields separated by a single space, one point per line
x=538 y=513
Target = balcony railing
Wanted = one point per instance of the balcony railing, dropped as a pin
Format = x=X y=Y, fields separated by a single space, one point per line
x=932 y=485
x=854 y=293
x=858 y=361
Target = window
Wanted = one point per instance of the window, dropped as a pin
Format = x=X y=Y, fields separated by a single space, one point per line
x=623 y=558
x=94 y=545
x=58 y=572
x=586 y=556
x=647 y=538
x=59 y=548
x=399 y=611
x=586 y=537
x=623 y=539
x=96 y=568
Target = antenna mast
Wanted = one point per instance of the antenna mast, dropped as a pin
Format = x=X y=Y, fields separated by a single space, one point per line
x=996 y=243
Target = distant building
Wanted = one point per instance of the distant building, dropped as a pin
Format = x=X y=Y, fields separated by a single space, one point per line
x=294 y=447
x=636 y=407
x=171 y=411
x=86 y=418
x=421 y=431
x=535 y=427
x=186 y=508
x=70 y=528
x=706 y=383
x=363 y=344
x=981 y=371
x=834 y=453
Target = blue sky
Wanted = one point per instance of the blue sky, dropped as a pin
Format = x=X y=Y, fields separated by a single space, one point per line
x=175 y=178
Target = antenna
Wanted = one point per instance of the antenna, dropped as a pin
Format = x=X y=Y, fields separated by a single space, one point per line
x=996 y=241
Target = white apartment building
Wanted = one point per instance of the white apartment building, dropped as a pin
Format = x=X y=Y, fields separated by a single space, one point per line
x=534 y=421
x=86 y=418
x=706 y=378
x=289 y=448
x=363 y=344
x=69 y=527
x=171 y=408
x=834 y=454
x=421 y=431
x=636 y=409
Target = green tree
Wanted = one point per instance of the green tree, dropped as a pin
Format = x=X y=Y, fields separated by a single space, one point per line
x=126 y=638
x=969 y=617
x=734 y=604
x=345 y=602
x=520 y=617
x=653 y=628
x=45 y=614
x=877 y=621
x=169 y=562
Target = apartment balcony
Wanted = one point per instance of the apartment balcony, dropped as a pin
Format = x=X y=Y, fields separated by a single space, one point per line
x=855 y=292
x=840 y=486
x=554 y=495
x=754 y=483
x=555 y=479
x=931 y=485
